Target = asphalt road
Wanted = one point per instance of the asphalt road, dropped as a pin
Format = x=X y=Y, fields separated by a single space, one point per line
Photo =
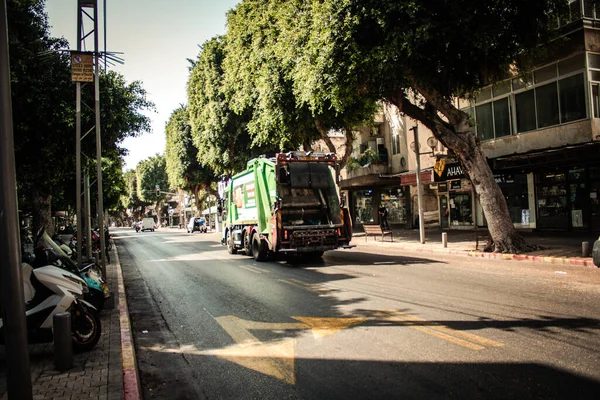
x=208 y=324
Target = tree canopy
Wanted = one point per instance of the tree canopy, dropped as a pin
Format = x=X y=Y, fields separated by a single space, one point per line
x=418 y=55
x=41 y=87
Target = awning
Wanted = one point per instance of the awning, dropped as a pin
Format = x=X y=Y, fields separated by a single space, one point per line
x=410 y=178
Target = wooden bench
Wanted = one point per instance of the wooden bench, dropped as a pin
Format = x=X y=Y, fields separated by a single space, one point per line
x=376 y=230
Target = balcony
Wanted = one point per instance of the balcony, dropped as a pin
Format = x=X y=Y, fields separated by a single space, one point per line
x=581 y=9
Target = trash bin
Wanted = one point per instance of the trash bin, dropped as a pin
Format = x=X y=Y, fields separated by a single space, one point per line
x=596 y=253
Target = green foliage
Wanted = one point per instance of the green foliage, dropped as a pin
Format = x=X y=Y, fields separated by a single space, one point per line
x=43 y=100
x=183 y=168
x=152 y=172
x=219 y=133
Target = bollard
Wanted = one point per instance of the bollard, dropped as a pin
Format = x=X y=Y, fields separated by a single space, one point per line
x=63 y=345
x=445 y=239
x=585 y=249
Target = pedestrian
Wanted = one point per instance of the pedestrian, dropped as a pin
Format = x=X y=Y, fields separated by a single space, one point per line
x=383 y=215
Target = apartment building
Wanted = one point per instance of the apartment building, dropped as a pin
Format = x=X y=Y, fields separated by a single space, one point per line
x=540 y=132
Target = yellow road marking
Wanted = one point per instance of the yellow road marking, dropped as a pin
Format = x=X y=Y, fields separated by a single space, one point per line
x=322 y=327
x=275 y=359
x=460 y=338
x=296 y=284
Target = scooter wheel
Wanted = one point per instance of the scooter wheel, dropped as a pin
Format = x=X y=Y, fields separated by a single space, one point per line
x=86 y=328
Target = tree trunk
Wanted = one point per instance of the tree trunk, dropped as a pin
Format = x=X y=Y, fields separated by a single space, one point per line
x=348 y=147
x=325 y=137
x=505 y=237
x=456 y=134
x=42 y=212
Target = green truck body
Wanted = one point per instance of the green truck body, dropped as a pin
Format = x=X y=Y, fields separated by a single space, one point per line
x=287 y=204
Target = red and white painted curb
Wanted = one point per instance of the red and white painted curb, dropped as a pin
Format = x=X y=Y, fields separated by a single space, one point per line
x=131 y=379
x=582 y=261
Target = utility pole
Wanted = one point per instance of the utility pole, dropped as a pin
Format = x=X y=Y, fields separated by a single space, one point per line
x=86 y=69
x=417 y=150
x=18 y=378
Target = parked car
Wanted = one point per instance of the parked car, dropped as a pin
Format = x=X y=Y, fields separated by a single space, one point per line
x=196 y=224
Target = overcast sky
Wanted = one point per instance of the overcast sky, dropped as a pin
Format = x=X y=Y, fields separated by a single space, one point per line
x=157 y=37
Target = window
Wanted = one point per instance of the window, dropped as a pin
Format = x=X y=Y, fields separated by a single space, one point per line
x=545 y=73
x=525 y=105
x=501 y=118
x=395 y=144
x=596 y=100
x=572 y=98
x=485 y=123
x=547 y=105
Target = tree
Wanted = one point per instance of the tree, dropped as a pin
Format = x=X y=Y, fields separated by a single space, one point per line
x=41 y=86
x=262 y=70
x=183 y=168
x=130 y=198
x=150 y=174
x=219 y=133
x=419 y=56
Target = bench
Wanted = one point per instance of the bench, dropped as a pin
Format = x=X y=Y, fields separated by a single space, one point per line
x=376 y=230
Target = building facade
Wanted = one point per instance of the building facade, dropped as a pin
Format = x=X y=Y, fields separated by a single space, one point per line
x=540 y=132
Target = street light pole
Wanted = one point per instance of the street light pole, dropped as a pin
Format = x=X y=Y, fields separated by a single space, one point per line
x=415 y=130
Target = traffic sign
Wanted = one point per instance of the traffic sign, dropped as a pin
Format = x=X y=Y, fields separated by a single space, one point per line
x=82 y=67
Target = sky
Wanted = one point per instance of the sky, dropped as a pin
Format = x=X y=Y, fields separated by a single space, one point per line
x=157 y=37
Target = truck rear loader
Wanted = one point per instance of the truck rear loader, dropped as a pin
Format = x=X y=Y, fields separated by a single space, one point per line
x=288 y=204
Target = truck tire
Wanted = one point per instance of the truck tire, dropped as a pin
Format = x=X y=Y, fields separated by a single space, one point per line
x=230 y=246
x=259 y=249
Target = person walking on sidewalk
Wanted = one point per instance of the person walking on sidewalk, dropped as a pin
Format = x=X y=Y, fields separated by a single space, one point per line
x=383 y=218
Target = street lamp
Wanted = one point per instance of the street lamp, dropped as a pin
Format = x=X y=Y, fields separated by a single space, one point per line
x=415 y=146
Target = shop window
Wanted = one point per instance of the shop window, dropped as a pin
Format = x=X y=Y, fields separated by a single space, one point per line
x=363 y=207
x=461 y=209
x=515 y=190
x=572 y=98
x=485 y=123
x=395 y=202
x=525 y=106
x=552 y=201
x=547 y=105
x=501 y=118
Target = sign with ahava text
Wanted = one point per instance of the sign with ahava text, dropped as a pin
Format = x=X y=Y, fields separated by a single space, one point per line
x=82 y=67
x=445 y=172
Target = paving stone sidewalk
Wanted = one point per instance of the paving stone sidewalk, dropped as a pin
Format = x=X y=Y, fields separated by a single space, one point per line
x=555 y=247
x=97 y=374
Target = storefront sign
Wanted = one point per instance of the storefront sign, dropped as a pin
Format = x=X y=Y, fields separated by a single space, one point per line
x=446 y=172
x=504 y=178
x=442 y=187
x=455 y=184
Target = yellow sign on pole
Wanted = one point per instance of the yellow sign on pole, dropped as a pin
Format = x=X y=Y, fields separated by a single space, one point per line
x=82 y=67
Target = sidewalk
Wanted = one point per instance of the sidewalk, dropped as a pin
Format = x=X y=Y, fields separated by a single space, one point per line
x=107 y=372
x=555 y=247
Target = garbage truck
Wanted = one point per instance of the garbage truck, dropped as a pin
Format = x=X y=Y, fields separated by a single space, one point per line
x=288 y=204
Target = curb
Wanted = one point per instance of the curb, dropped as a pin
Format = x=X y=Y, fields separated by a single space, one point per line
x=581 y=261
x=131 y=380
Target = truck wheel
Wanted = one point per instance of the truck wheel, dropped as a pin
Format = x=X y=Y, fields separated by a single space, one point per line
x=259 y=249
x=230 y=246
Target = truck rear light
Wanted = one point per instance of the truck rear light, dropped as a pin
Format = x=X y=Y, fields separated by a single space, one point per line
x=339 y=232
x=285 y=234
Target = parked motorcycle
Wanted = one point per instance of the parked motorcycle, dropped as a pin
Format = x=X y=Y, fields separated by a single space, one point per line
x=50 y=290
x=91 y=273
